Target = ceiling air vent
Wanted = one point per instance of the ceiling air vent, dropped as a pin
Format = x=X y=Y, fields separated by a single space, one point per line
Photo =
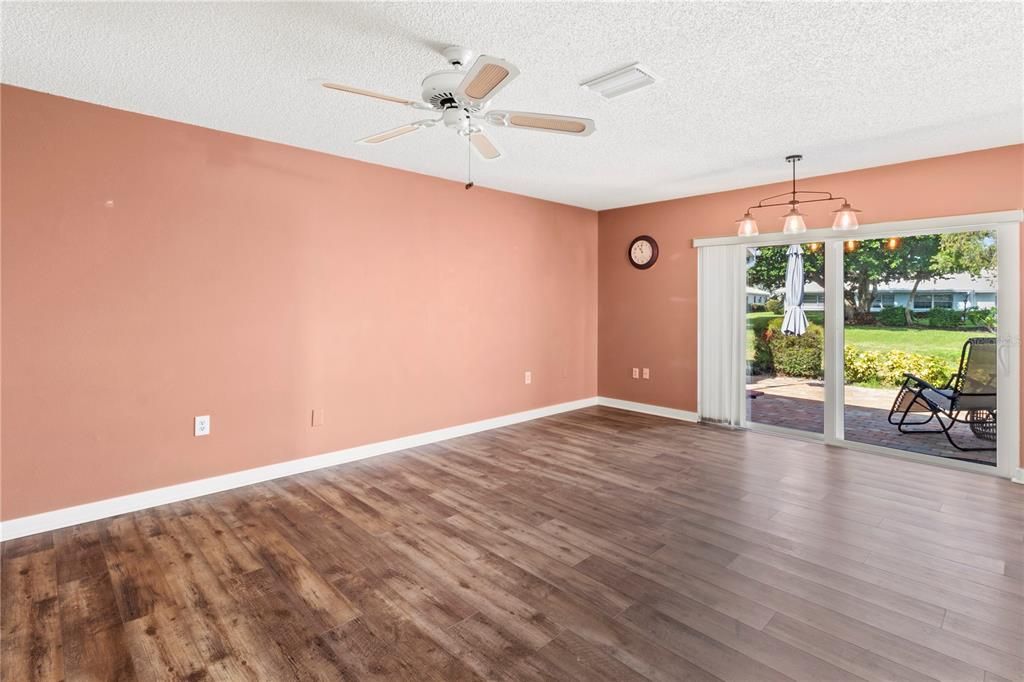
x=621 y=81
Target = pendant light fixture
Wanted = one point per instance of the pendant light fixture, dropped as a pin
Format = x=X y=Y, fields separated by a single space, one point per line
x=748 y=226
x=845 y=220
x=794 y=222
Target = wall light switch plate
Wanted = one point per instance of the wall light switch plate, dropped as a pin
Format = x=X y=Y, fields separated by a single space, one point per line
x=636 y=372
x=528 y=377
x=318 y=416
x=647 y=372
x=203 y=425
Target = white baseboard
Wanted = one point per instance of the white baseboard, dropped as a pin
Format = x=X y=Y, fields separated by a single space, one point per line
x=92 y=511
x=1018 y=476
x=658 y=410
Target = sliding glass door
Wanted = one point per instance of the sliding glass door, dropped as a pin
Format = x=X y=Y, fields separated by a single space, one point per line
x=921 y=342
x=902 y=341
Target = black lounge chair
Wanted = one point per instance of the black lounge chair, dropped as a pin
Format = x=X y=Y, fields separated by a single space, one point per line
x=969 y=397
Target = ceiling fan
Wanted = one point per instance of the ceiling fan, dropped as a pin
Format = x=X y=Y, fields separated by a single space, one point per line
x=462 y=97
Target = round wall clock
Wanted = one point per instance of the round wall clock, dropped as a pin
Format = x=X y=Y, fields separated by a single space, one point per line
x=643 y=252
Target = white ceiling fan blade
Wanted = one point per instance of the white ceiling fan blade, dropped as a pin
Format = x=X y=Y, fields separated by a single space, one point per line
x=368 y=93
x=376 y=95
x=396 y=132
x=484 y=147
x=549 y=123
x=485 y=78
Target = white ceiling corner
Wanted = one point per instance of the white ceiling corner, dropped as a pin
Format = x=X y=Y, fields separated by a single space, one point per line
x=849 y=85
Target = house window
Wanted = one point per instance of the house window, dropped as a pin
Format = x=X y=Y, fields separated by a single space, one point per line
x=884 y=301
x=929 y=301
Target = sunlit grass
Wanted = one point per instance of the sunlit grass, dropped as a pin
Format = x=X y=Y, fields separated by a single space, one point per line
x=943 y=343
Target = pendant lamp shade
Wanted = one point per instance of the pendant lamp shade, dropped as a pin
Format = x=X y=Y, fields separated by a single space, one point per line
x=794 y=222
x=846 y=218
x=747 y=226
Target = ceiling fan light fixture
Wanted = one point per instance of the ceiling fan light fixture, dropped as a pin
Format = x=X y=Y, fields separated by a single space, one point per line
x=747 y=226
x=846 y=218
x=463 y=97
x=620 y=81
x=794 y=222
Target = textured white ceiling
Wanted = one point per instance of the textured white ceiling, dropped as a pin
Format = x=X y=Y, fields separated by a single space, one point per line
x=848 y=85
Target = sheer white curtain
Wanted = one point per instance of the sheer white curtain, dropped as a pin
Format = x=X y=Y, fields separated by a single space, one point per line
x=721 y=333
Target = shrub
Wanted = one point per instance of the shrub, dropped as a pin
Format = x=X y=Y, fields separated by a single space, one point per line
x=981 y=317
x=887 y=368
x=866 y=319
x=801 y=356
x=895 y=316
x=795 y=356
x=756 y=308
x=944 y=317
x=775 y=306
x=760 y=324
x=762 y=362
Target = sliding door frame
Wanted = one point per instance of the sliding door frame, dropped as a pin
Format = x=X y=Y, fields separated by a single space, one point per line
x=1007 y=226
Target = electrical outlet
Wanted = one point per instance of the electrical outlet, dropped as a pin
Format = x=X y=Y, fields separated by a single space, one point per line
x=528 y=377
x=636 y=372
x=318 y=417
x=202 y=425
x=647 y=372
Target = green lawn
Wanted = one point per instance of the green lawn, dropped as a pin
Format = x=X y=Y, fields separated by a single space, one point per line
x=943 y=343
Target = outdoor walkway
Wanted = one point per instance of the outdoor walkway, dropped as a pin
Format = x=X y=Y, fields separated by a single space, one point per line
x=799 y=404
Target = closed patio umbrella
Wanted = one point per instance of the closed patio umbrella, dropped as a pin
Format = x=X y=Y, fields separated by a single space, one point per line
x=794 y=322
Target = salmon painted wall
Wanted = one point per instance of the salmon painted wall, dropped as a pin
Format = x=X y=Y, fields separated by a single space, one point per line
x=648 y=318
x=154 y=271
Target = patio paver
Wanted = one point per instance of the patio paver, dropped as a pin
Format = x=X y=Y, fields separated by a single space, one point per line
x=799 y=404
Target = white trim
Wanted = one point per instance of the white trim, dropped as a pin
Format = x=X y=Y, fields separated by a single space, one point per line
x=870 y=449
x=817 y=438
x=670 y=412
x=904 y=227
x=786 y=432
x=834 y=351
x=923 y=458
x=101 y=509
x=1008 y=444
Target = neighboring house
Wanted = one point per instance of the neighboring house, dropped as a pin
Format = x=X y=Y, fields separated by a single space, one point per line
x=756 y=296
x=960 y=292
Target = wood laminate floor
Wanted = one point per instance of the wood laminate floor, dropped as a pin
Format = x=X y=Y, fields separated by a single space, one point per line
x=594 y=545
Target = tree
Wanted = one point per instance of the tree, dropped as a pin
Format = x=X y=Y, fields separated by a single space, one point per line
x=960 y=252
x=877 y=261
x=864 y=269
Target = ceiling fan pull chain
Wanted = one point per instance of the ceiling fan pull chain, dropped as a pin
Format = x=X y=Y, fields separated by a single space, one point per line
x=469 y=161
